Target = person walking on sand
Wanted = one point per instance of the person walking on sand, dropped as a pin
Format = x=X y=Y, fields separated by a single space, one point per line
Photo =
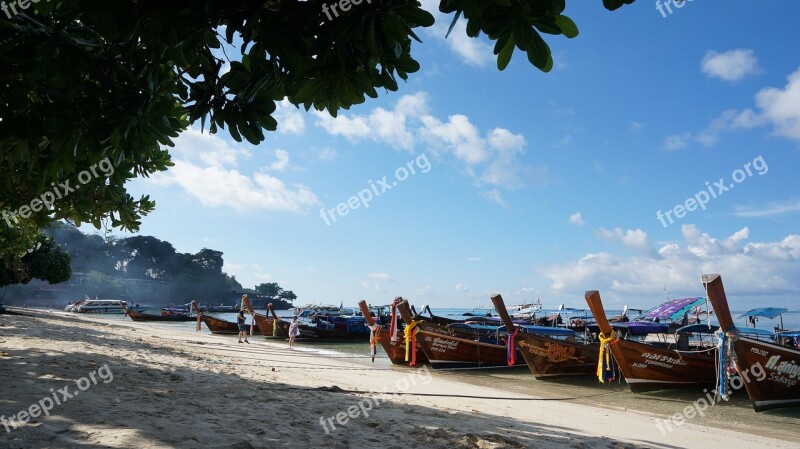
x=294 y=331
x=242 y=327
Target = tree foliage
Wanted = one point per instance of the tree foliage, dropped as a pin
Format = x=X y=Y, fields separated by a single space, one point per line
x=46 y=261
x=86 y=80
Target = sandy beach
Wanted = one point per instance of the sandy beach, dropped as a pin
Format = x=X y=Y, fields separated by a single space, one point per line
x=134 y=385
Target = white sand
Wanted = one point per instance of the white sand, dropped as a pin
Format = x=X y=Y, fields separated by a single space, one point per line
x=186 y=390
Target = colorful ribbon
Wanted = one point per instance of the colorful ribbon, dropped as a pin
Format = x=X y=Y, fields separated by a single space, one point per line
x=605 y=372
x=393 y=325
x=512 y=350
x=374 y=338
x=410 y=333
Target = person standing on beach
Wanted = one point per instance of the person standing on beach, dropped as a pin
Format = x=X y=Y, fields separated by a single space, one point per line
x=294 y=331
x=242 y=327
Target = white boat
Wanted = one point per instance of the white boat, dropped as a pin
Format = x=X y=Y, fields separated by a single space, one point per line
x=100 y=306
x=525 y=310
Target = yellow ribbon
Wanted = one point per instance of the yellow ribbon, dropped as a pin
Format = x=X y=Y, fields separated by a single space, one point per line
x=604 y=351
x=408 y=332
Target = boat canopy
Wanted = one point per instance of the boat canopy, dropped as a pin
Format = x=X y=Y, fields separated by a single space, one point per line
x=755 y=332
x=545 y=330
x=706 y=329
x=673 y=309
x=765 y=312
x=642 y=327
x=697 y=329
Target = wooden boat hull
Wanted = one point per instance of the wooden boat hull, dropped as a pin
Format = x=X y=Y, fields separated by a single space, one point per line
x=779 y=385
x=265 y=325
x=551 y=358
x=219 y=326
x=396 y=350
x=319 y=334
x=648 y=368
x=450 y=352
x=139 y=316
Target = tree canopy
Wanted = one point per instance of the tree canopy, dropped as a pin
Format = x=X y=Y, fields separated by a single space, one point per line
x=84 y=82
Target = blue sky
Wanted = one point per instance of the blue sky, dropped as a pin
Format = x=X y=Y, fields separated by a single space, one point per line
x=536 y=185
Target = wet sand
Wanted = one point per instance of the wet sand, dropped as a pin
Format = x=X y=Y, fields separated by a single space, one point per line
x=172 y=387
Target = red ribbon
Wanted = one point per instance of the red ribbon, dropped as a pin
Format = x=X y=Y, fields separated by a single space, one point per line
x=512 y=351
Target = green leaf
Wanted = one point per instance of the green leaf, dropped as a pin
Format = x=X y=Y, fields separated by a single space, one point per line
x=505 y=54
x=567 y=26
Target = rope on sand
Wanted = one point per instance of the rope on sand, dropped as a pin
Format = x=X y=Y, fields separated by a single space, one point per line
x=337 y=389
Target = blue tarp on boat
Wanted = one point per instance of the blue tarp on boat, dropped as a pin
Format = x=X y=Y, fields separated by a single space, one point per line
x=673 y=309
x=766 y=312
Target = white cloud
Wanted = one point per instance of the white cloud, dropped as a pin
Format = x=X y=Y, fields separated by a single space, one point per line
x=380 y=125
x=475 y=52
x=282 y=162
x=731 y=66
x=474 y=259
x=760 y=269
x=461 y=288
x=289 y=117
x=632 y=238
x=728 y=121
x=768 y=210
x=782 y=107
x=494 y=195
x=205 y=167
x=740 y=235
x=327 y=154
x=576 y=219
x=493 y=159
x=777 y=107
x=208 y=149
x=457 y=136
x=505 y=140
x=677 y=141
x=384 y=277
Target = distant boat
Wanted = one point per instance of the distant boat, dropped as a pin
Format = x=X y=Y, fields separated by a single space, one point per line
x=319 y=325
x=217 y=325
x=165 y=315
x=779 y=383
x=107 y=306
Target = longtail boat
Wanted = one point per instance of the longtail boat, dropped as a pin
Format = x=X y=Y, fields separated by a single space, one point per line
x=322 y=328
x=136 y=315
x=548 y=356
x=218 y=325
x=462 y=345
x=394 y=348
x=771 y=372
x=655 y=365
x=264 y=323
